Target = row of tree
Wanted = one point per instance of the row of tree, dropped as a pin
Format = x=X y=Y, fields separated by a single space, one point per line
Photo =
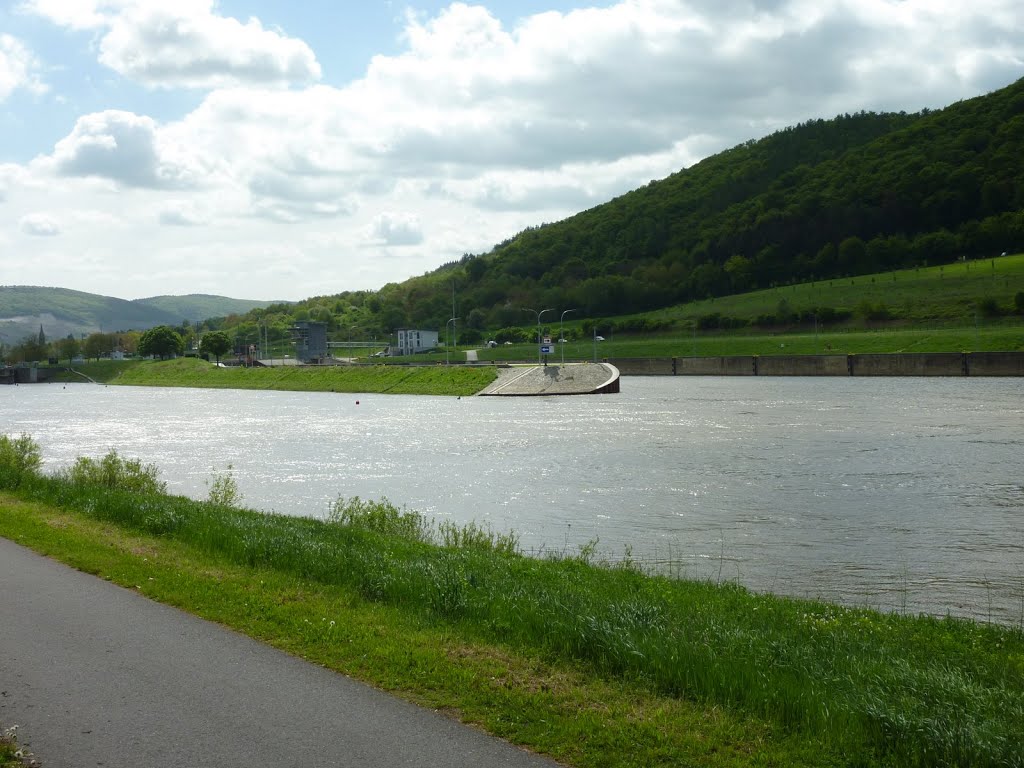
x=162 y=341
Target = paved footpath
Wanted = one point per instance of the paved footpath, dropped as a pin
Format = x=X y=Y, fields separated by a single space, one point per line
x=97 y=675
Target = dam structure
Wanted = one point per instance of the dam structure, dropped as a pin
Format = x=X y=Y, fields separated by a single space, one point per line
x=547 y=380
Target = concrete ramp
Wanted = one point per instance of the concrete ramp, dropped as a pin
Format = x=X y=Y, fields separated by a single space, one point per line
x=571 y=379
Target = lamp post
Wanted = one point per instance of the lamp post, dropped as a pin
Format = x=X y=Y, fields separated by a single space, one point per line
x=539 y=315
x=351 y=328
x=561 y=332
x=447 y=346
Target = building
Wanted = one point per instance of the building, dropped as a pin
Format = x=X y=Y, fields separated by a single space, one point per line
x=310 y=341
x=411 y=342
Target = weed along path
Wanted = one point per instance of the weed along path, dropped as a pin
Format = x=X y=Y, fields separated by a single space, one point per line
x=95 y=674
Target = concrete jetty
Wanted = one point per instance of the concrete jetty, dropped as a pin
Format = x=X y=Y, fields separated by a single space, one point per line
x=569 y=379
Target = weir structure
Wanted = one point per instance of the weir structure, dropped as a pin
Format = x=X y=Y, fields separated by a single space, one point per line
x=547 y=380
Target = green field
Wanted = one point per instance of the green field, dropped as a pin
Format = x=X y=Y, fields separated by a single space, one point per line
x=954 y=292
x=404 y=380
x=595 y=665
x=961 y=307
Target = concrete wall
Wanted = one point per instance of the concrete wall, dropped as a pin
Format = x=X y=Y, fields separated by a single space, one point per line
x=995 y=364
x=925 y=364
x=803 y=365
x=740 y=365
x=645 y=366
x=937 y=364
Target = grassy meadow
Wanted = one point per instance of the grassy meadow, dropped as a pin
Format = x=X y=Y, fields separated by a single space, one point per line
x=398 y=380
x=953 y=293
x=596 y=665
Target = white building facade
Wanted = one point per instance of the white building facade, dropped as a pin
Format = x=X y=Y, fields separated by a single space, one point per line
x=411 y=342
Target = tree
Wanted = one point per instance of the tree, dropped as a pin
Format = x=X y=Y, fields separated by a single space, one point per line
x=29 y=350
x=162 y=341
x=96 y=344
x=68 y=347
x=215 y=343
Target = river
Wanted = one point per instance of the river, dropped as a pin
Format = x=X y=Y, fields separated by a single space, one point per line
x=898 y=493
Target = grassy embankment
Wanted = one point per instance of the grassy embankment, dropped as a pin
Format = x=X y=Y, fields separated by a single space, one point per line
x=966 y=306
x=596 y=666
x=192 y=372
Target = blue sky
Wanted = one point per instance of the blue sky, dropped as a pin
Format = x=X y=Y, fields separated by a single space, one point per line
x=282 y=150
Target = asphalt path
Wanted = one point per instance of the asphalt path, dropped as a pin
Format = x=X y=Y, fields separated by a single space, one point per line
x=97 y=675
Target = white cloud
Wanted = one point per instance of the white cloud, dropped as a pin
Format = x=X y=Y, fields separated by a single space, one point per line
x=472 y=132
x=78 y=15
x=124 y=148
x=397 y=229
x=40 y=225
x=184 y=44
x=182 y=213
x=18 y=68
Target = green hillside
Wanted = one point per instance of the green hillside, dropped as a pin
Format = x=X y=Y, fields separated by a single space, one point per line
x=850 y=196
x=199 y=306
x=60 y=311
x=818 y=203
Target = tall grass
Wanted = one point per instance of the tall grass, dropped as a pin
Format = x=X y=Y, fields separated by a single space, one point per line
x=916 y=691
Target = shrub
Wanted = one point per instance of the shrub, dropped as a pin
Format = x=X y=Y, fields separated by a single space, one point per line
x=873 y=312
x=474 y=536
x=382 y=517
x=224 y=489
x=1018 y=302
x=19 y=459
x=989 y=307
x=112 y=471
x=709 y=322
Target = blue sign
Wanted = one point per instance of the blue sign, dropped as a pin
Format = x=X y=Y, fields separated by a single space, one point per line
x=546 y=349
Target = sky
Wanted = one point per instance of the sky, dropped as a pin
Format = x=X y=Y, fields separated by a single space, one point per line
x=275 y=150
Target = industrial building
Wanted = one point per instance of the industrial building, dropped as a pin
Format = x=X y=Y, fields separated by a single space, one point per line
x=310 y=341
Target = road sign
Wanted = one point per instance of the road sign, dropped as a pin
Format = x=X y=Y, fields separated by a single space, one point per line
x=547 y=340
x=546 y=349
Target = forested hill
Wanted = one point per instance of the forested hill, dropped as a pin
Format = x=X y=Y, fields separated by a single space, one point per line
x=856 y=194
x=60 y=311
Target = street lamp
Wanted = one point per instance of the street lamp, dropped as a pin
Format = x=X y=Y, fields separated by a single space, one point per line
x=539 y=316
x=447 y=346
x=561 y=332
x=352 y=328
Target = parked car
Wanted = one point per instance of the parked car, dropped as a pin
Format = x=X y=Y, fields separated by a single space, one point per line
x=599 y=338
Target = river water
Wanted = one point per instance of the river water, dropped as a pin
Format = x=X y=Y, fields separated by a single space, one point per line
x=898 y=493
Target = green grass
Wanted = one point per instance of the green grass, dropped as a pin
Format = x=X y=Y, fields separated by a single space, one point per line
x=566 y=656
x=101 y=371
x=558 y=708
x=403 y=380
x=931 y=309
x=950 y=292
x=804 y=342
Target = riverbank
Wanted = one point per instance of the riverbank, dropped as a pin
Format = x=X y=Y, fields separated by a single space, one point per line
x=379 y=379
x=592 y=665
